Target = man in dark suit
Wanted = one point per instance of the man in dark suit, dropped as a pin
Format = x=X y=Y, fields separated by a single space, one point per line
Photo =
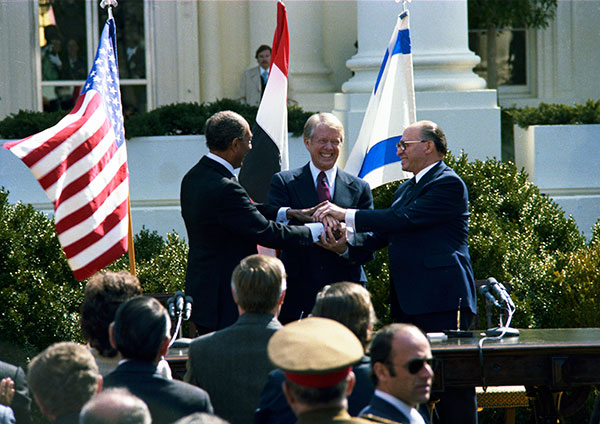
x=402 y=374
x=426 y=229
x=236 y=356
x=141 y=334
x=223 y=225
x=21 y=403
x=310 y=268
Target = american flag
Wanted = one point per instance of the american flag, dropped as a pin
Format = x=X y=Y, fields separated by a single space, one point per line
x=81 y=163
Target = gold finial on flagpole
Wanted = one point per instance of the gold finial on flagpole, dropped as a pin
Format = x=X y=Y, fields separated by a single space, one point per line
x=403 y=4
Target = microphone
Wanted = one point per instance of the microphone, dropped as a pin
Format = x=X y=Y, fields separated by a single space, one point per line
x=500 y=291
x=179 y=302
x=171 y=307
x=485 y=292
x=188 y=307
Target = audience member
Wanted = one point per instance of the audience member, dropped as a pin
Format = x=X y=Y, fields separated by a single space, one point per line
x=402 y=373
x=309 y=268
x=62 y=379
x=75 y=67
x=103 y=294
x=224 y=225
x=254 y=80
x=236 y=356
x=115 y=406
x=201 y=418
x=141 y=334
x=349 y=304
x=21 y=402
x=316 y=356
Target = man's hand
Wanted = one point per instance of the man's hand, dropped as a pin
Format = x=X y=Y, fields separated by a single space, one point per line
x=329 y=209
x=334 y=239
x=7 y=391
x=303 y=215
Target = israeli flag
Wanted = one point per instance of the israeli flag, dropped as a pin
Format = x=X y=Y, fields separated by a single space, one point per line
x=391 y=109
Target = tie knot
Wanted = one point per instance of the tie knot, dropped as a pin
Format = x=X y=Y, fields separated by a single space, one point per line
x=322 y=177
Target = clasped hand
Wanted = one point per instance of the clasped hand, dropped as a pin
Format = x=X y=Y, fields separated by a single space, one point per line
x=334 y=231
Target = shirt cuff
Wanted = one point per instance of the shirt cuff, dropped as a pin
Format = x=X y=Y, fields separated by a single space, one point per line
x=316 y=229
x=349 y=219
x=282 y=215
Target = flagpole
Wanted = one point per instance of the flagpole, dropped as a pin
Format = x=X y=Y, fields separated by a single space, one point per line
x=130 y=248
x=130 y=245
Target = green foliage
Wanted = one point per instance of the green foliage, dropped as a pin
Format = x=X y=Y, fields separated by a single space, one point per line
x=189 y=118
x=173 y=119
x=160 y=263
x=516 y=235
x=557 y=114
x=27 y=122
x=40 y=296
x=511 y=13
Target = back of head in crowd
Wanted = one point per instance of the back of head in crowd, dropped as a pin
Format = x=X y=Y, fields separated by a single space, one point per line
x=349 y=304
x=115 y=406
x=140 y=329
x=103 y=295
x=222 y=128
x=63 y=378
x=201 y=418
x=258 y=283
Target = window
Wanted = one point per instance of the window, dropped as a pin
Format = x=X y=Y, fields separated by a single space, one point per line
x=68 y=35
x=511 y=55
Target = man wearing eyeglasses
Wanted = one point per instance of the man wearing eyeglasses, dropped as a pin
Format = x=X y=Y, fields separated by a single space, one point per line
x=310 y=268
x=426 y=230
x=402 y=373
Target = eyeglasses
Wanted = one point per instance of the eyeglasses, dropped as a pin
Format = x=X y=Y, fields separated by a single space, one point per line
x=415 y=365
x=402 y=144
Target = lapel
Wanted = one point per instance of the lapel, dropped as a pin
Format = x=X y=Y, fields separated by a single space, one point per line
x=407 y=195
x=256 y=78
x=343 y=186
x=303 y=187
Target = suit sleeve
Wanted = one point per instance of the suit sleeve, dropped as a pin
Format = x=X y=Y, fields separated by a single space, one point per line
x=363 y=249
x=21 y=404
x=440 y=201
x=241 y=217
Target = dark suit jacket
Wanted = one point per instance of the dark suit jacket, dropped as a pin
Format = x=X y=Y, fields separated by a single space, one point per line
x=310 y=268
x=232 y=365
x=223 y=227
x=167 y=400
x=21 y=404
x=274 y=409
x=381 y=408
x=426 y=229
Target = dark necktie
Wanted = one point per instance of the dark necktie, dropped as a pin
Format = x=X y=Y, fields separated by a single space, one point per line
x=323 y=187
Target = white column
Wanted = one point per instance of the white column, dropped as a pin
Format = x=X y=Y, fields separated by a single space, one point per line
x=447 y=90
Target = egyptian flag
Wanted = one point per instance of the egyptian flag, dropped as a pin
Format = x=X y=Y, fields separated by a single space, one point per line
x=269 y=152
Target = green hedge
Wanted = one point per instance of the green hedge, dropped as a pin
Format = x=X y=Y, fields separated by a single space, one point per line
x=557 y=114
x=173 y=119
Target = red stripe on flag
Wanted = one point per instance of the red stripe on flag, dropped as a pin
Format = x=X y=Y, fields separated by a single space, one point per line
x=106 y=258
x=87 y=210
x=63 y=135
x=108 y=224
x=80 y=152
x=83 y=181
x=281 y=41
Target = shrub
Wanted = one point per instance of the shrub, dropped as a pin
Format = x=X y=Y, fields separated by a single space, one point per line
x=516 y=235
x=28 y=122
x=557 y=114
x=40 y=296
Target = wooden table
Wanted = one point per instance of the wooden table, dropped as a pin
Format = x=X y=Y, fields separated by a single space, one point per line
x=545 y=361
